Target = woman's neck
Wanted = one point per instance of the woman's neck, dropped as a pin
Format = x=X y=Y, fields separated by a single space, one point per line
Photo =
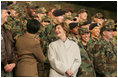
x=63 y=38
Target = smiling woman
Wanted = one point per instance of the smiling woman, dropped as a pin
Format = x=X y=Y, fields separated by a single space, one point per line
x=63 y=54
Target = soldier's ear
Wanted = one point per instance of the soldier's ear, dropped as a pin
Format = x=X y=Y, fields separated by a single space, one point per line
x=79 y=15
x=103 y=33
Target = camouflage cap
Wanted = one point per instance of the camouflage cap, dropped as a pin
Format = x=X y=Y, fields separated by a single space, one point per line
x=57 y=6
x=83 y=30
x=42 y=10
x=108 y=25
x=46 y=19
x=82 y=11
x=99 y=15
x=70 y=17
x=13 y=6
x=85 y=23
x=31 y=5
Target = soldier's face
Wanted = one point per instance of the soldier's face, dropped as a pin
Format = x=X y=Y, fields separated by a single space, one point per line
x=95 y=31
x=68 y=13
x=4 y=15
x=45 y=23
x=75 y=30
x=68 y=21
x=97 y=20
x=13 y=13
x=83 y=16
x=85 y=37
x=60 y=19
x=85 y=26
x=108 y=34
x=59 y=31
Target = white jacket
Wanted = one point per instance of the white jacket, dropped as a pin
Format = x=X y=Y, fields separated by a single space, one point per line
x=63 y=56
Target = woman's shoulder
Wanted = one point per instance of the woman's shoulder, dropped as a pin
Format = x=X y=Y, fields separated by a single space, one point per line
x=54 y=42
x=72 y=42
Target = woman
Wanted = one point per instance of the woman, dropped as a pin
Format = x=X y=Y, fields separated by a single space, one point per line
x=29 y=52
x=64 y=54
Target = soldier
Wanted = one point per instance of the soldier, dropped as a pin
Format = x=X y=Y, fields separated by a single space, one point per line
x=68 y=12
x=41 y=13
x=82 y=15
x=86 y=68
x=73 y=35
x=85 y=24
x=98 y=18
x=68 y=19
x=105 y=56
x=13 y=23
x=46 y=37
x=30 y=55
x=58 y=16
x=8 y=61
x=95 y=32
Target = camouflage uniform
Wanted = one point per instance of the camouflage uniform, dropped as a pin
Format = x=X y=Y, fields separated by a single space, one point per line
x=105 y=56
x=46 y=35
x=86 y=68
x=90 y=45
x=105 y=60
x=75 y=39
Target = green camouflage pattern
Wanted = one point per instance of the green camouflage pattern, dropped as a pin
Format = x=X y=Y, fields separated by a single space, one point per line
x=105 y=59
x=86 y=68
x=83 y=30
x=46 y=37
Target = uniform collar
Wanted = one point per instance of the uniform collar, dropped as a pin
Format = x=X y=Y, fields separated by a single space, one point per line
x=28 y=35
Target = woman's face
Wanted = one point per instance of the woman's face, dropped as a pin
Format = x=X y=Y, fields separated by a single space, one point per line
x=59 y=31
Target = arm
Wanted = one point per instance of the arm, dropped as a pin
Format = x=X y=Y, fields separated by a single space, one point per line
x=37 y=51
x=3 y=52
x=55 y=64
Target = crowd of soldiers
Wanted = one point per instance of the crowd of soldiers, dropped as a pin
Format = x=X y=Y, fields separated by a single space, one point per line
x=96 y=38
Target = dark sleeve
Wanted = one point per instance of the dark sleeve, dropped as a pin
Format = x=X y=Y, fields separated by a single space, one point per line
x=3 y=53
x=13 y=49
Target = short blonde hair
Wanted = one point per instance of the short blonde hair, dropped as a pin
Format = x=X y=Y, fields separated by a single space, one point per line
x=64 y=26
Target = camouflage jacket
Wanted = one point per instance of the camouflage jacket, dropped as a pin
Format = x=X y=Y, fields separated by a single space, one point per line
x=46 y=36
x=86 y=68
x=90 y=45
x=105 y=59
